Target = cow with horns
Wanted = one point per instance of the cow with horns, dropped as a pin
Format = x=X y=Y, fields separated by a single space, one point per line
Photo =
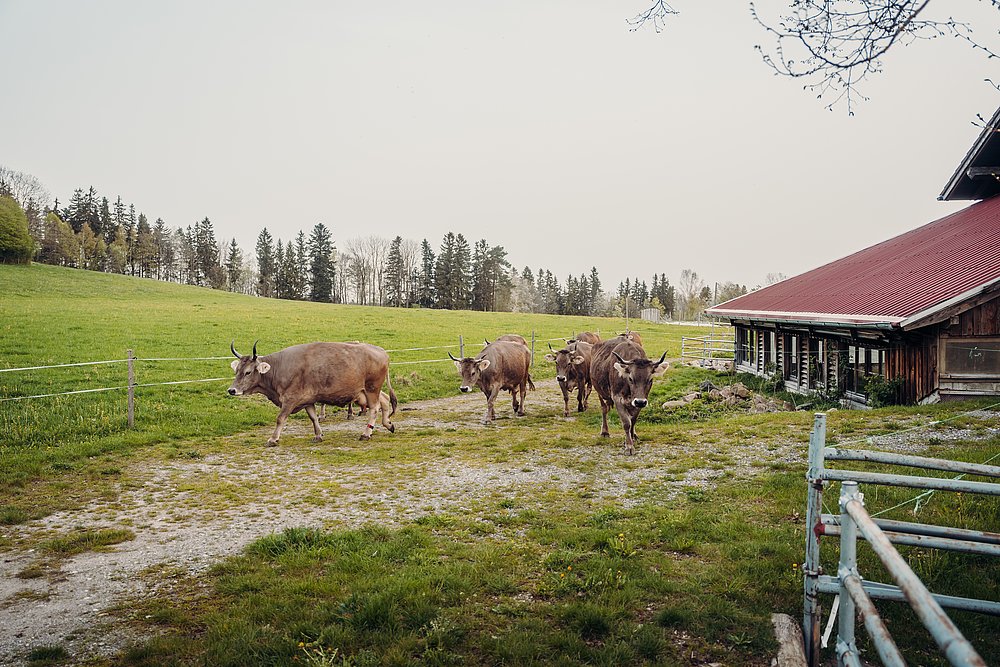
x=502 y=365
x=573 y=372
x=623 y=376
x=298 y=377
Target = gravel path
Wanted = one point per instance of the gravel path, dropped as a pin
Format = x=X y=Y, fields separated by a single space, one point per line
x=276 y=488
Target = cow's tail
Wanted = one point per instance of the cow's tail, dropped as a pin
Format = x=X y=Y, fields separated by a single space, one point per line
x=392 y=394
x=531 y=384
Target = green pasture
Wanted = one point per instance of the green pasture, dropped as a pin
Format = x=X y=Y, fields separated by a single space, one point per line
x=601 y=560
x=51 y=315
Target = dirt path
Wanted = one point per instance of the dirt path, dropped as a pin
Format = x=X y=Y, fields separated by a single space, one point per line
x=264 y=490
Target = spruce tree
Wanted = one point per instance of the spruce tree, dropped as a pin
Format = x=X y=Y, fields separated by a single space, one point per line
x=301 y=266
x=234 y=266
x=321 y=268
x=444 y=268
x=427 y=294
x=394 y=274
x=265 y=263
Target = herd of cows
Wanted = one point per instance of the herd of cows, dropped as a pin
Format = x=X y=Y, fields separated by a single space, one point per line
x=303 y=376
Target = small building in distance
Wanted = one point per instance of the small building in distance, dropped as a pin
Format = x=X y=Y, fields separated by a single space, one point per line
x=915 y=318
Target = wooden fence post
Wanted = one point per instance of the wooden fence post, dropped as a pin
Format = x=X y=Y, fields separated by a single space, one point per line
x=532 y=347
x=131 y=389
x=461 y=347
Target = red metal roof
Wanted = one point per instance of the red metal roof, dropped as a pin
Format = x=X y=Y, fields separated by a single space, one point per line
x=891 y=281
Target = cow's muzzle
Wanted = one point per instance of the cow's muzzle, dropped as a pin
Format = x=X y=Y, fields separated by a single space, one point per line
x=561 y=378
x=233 y=392
x=639 y=402
x=465 y=390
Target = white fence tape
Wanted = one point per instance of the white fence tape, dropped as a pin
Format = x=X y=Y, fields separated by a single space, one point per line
x=91 y=391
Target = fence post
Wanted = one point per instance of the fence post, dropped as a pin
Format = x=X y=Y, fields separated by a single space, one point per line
x=847 y=567
x=811 y=569
x=461 y=347
x=131 y=389
x=532 y=347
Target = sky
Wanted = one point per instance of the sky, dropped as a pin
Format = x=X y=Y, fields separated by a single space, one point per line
x=545 y=127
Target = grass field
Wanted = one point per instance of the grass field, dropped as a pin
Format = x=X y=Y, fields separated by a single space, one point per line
x=529 y=542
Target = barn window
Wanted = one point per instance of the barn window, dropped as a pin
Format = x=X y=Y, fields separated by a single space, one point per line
x=769 y=351
x=817 y=363
x=791 y=358
x=972 y=357
x=742 y=346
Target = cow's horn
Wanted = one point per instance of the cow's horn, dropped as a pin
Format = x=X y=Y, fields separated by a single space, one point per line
x=486 y=340
x=662 y=357
x=232 y=346
x=452 y=356
x=255 y=348
x=550 y=347
x=622 y=360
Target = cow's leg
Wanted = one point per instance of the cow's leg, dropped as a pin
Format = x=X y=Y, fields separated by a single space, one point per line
x=372 y=398
x=565 y=393
x=322 y=411
x=385 y=407
x=629 y=425
x=318 y=434
x=586 y=396
x=580 y=404
x=282 y=418
x=635 y=418
x=350 y=412
x=490 y=399
x=605 y=406
x=524 y=392
x=513 y=400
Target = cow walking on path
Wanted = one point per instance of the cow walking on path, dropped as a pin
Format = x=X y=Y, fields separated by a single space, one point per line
x=502 y=365
x=298 y=377
x=573 y=372
x=622 y=376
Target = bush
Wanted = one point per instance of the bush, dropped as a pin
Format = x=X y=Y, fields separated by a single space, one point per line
x=882 y=392
x=16 y=246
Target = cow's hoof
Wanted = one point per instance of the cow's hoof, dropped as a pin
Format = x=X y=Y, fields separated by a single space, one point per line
x=391 y=428
x=365 y=437
x=581 y=408
x=566 y=413
x=521 y=413
x=605 y=435
x=272 y=443
x=318 y=438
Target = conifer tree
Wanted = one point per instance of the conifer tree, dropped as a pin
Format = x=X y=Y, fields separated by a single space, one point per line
x=321 y=269
x=234 y=266
x=426 y=285
x=265 y=263
x=394 y=277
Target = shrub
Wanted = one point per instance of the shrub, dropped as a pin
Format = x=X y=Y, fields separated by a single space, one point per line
x=882 y=392
x=16 y=246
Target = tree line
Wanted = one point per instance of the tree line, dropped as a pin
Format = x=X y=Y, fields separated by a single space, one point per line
x=96 y=233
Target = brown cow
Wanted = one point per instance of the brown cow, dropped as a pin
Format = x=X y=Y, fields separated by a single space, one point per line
x=632 y=336
x=586 y=337
x=298 y=377
x=510 y=338
x=622 y=376
x=502 y=365
x=362 y=402
x=573 y=372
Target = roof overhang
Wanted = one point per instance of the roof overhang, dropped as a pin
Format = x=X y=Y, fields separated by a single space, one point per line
x=830 y=320
x=977 y=176
x=953 y=306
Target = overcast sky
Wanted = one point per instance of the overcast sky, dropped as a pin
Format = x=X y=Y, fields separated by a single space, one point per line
x=545 y=127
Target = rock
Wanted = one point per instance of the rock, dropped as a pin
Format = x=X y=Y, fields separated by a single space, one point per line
x=692 y=396
x=674 y=404
x=707 y=385
x=741 y=390
x=715 y=395
x=732 y=401
x=726 y=392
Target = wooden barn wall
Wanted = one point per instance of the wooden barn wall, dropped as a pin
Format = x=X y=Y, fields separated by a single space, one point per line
x=915 y=360
x=983 y=320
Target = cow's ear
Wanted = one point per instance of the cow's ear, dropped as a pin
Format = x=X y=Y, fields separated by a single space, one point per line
x=550 y=357
x=484 y=364
x=621 y=368
x=458 y=365
x=235 y=364
x=579 y=359
x=661 y=368
x=263 y=367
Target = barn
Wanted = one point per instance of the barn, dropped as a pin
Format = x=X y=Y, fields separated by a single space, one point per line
x=913 y=319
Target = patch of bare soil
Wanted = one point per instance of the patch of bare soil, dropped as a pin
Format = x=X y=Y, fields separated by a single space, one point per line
x=190 y=514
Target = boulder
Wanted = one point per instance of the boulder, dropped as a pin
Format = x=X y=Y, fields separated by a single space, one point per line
x=674 y=404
